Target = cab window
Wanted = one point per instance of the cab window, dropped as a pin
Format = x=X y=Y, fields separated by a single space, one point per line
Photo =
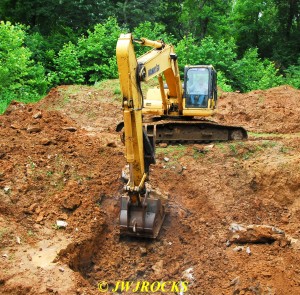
x=197 y=87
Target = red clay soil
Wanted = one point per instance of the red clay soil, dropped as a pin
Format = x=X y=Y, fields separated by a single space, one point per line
x=275 y=110
x=233 y=209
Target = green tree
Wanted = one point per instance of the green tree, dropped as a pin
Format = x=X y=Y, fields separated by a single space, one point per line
x=20 y=78
x=67 y=66
x=50 y=15
x=273 y=26
x=131 y=13
x=251 y=72
x=202 y=18
x=293 y=75
x=97 y=51
x=221 y=54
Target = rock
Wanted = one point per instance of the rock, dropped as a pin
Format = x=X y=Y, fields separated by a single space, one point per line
x=7 y=189
x=63 y=216
x=266 y=274
x=18 y=240
x=45 y=141
x=234 y=227
x=61 y=269
x=248 y=251
x=33 y=207
x=70 y=128
x=111 y=144
x=71 y=203
x=166 y=159
x=158 y=267
x=209 y=147
x=40 y=217
x=295 y=243
x=37 y=115
x=163 y=145
x=235 y=281
x=143 y=251
x=29 y=257
x=238 y=249
x=256 y=234
x=15 y=126
x=33 y=129
x=188 y=274
x=125 y=173
x=61 y=224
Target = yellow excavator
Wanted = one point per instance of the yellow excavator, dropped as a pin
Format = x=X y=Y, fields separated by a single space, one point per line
x=172 y=112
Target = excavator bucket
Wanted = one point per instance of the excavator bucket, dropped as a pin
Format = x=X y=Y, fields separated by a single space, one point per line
x=144 y=220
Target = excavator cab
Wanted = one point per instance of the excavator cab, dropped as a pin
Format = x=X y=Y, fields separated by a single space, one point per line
x=200 y=89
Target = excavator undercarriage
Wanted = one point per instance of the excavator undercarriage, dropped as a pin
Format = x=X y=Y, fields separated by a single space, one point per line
x=172 y=131
x=191 y=131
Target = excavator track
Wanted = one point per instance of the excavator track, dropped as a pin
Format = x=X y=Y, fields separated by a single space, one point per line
x=192 y=131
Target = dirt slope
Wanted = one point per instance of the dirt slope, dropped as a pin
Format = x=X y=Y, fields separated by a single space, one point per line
x=274 y=110
x=233 y=208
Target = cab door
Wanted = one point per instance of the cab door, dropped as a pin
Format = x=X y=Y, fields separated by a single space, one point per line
x=200 y=87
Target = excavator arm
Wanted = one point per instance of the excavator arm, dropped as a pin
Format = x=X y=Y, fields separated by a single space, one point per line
x=140 y=214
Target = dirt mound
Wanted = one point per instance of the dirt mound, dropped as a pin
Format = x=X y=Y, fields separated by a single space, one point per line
x=232 y=208
x=273 y=110
x=50 y=170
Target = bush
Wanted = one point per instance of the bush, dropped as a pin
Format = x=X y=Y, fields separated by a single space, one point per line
x=20 y=78
x=293 y=75
x=223 y=83
x=67 y=65
x=187 y=52
x=97 y=52
x=251 y=72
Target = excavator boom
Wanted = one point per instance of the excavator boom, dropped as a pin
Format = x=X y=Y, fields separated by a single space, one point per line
x=140 y=214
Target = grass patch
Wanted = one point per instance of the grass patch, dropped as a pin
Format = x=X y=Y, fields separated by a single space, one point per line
x=257 y=134
x=111 y=87
x=176 y=151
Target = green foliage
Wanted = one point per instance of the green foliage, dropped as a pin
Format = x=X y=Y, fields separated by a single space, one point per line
x=251 y=72
x=67 y=66
x=270 y=25
x=50 y=15
x=187 y=52
x=20 y=78
x=67 y=43
x=204 y=18
x=223 y=82
x=293 y=75
x=221 y=54
x=151 y=31
x=132 y=13
x=96 y=52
